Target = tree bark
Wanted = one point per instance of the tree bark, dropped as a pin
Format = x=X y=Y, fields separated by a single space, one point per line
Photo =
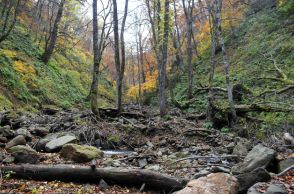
x=53 y=37
x=123 y=177
x=162 y=77
x=97 y=59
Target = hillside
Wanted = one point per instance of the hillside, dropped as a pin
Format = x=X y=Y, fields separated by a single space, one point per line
x=260 y=42
x=26 y=82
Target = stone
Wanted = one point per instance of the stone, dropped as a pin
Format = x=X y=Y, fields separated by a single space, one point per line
x=142 y=162
x=246 y=180
x=214 y=183
x=149 y=144
x=270 y=188
x=3 y=139
x=103 y=185
x=80 y=153
x=259 y=156
x=18 y=140
x=240 y=149
x=8 y=159
x=41 y=131
x=40 y=145
x=25 y=133
x=154 y=167
x=202 y=173
x=6 y=131
x=1 y=156
x=24 y=154
x=110 y=162
x=286 y=163
x=56 y=144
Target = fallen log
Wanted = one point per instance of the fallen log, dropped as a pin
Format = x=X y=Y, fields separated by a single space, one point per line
x=118 y=176
x=112 y=112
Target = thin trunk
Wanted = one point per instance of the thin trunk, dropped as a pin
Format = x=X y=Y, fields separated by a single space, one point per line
x=189 y=23
x=162 y=77
x=97 y=59
x=53 y=35
x=232 y=114
x=141 y=57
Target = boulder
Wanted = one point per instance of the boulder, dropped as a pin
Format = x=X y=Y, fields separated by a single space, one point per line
x=25 y=133
x=286 y=163
x=80 y=153
x=40 y=131
x=40 y=145
x=56 y=144
x=214 y=183
x=6 y=131
x=259 y=156
x=3 y=139
x=240 y=149
x=24 y=154
x=18 y=140
x=246 y=180
x=268 y=188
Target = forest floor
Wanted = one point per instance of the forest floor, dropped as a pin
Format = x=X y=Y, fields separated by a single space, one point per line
x=179 y=146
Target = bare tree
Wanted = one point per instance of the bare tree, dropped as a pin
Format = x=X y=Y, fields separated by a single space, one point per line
x=119 y=49
x=50 y=43
x=188 y=9
x=160 y=43
x=99 y=45
x=9 y=11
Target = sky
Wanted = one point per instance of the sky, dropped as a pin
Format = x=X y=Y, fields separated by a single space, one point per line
x=135 y=7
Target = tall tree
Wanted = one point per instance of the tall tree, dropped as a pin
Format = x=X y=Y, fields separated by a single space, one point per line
x=119 y=50
x=99 y=45
x=160 y=43
x=9 y=11
x=188 y=10
x=51 y=41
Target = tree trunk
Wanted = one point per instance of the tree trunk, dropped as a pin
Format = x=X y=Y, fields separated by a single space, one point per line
x=97 y=59
x=123 y=177
x=53 y=35
x=162 y=77
x=232 y=114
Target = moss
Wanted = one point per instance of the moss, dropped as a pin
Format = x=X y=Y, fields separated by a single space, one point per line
x=5 y=104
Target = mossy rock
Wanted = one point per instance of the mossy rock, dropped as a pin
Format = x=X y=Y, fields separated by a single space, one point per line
x=80 y=153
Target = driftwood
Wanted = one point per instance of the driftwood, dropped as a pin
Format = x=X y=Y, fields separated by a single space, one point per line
x=259 y=108
x=118 y=176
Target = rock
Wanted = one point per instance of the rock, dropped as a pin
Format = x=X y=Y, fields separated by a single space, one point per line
x=240 y=149
x=246 y=180
x=56 y=144
x=41 y=131
x=202 y=173
x=3 y=139
x=18 y=140
x=79 y=153
x=1 y=156
x=25 y=133
x=149 y=144
x=103 y=185
x=40 y=145
x=154 y=167
x=6 y=131
x=142 y=162
x=286 y=163
x=259 y=156
x=110 y=162
x=215 y=183
x=9 y=159
x=24 y=154
x=271 y=188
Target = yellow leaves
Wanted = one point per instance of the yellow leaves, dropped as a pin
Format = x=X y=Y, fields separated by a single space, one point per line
x=26 y=71
x=9 y=53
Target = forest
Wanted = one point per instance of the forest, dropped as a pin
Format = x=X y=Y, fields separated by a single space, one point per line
x=147 y=96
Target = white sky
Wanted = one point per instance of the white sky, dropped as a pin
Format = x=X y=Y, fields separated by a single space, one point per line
x=135 y=8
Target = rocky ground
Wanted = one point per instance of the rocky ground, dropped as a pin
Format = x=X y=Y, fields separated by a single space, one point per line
x=178 y=146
